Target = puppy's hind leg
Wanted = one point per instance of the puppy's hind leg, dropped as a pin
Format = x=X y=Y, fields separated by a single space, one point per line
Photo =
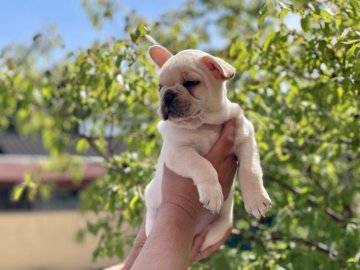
x=150 y=218
x=153 y=200
x=222 y=223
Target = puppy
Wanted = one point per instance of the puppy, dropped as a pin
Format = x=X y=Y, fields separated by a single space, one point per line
x=194 y=106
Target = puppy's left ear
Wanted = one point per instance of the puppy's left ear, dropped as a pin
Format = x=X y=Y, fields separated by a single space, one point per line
x=159 y=54
x=220 y=68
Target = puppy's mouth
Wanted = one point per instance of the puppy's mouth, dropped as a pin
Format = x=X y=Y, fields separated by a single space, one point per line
x=170 y=113
x=166 y=113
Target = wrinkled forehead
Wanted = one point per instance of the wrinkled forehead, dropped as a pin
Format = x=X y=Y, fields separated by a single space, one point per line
x=182 y=67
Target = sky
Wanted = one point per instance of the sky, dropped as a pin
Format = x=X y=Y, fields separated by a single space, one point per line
x=20 y=20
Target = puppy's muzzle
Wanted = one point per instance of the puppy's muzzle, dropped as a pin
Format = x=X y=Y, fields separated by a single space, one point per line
x=175 y=105
x=167 y=103
x=169 y=97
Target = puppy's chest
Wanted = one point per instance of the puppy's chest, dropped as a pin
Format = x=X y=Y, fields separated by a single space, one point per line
x=201 y=139
x=206 y=138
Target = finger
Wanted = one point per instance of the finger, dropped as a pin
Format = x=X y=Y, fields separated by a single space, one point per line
x=225 y=143
x=197 y=244
x=210 y=250
x=227 y=173
x=229 y=163
x=199 y=240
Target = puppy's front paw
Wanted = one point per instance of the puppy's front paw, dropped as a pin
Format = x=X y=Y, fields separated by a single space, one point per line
x=256 y=202
x=211 y=196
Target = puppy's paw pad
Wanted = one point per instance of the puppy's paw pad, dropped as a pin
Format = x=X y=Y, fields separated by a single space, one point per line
x=211 y=197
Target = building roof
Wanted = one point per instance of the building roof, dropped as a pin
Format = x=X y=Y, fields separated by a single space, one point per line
x=15 y=144
x=14 y=167
x=21 y=154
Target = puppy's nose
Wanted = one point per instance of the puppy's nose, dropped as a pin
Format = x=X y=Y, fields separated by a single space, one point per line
x=169 y=97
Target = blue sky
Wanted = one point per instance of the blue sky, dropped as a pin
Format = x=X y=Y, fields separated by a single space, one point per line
x=20 y=20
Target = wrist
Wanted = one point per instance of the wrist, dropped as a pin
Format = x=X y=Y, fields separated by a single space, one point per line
x=183 y=210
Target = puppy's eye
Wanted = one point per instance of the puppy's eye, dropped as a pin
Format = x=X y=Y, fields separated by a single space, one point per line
x=160 y=86
x=190 y=84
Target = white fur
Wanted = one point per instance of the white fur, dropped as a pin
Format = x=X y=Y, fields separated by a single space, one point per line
x=186 y=140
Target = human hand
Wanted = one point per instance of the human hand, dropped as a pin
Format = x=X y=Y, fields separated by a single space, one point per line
x=197 y=254
x=183 y=193
x=135 y=250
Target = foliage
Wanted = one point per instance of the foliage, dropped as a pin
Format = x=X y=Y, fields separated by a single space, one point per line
x=299 y=86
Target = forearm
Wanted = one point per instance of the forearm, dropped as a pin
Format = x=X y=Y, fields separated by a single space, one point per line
x=169 y=243
x=136 y=248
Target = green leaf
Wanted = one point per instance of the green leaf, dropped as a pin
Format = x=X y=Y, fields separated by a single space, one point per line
x=351 y=51
x=80 y=236
x=269 y=39
x=264 y=12
x=352 y=260
x=283 y=13
x=327 y=15
x=82 y=145
x=45 y=191
x=28 y=180
x=133 y=203
x=305 y=24
x=140 y=32
x=283 y=5
x=17 y=192
x=340 y=92
x=349 y=42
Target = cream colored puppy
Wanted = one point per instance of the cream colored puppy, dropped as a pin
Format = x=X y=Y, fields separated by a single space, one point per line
x=194 y=106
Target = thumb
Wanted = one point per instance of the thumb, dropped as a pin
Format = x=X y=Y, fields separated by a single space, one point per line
x=224 y=144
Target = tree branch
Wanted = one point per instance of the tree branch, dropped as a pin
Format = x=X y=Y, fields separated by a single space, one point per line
x=107 y=157
x=328 y=211
x=317 y=245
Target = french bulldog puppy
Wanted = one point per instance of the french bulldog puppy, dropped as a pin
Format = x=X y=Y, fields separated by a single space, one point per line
x=193 y=106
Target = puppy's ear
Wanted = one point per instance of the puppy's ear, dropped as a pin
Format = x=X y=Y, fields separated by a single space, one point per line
x=220 y=68
x=159 y=54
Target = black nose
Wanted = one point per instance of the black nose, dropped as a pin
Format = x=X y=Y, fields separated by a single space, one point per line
x=169 y=97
